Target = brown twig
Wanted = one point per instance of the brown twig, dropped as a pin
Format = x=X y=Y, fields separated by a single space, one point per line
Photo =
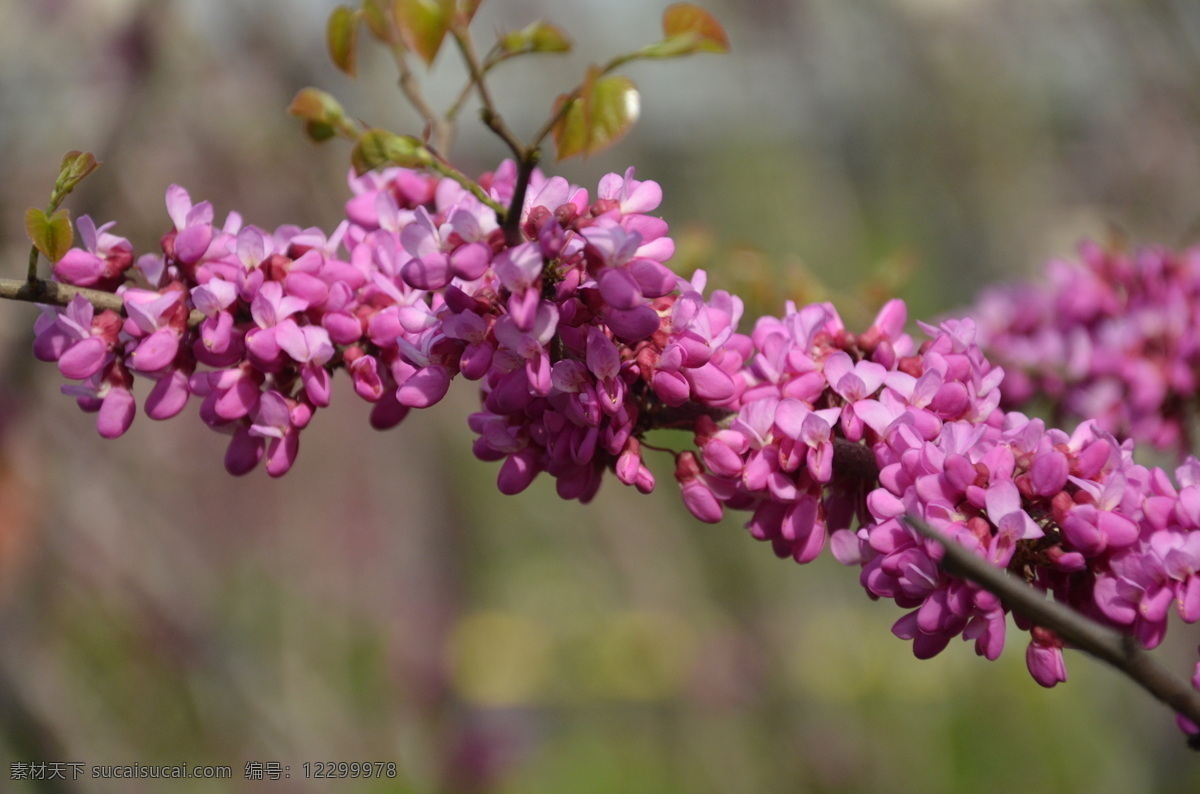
x=55 y=293
x=441 y=128
x=1119 y=650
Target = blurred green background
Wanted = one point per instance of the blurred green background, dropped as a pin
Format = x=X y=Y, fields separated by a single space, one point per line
x=383 y=602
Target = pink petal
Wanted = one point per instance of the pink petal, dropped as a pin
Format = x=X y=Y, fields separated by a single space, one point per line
x=425 y=387
x=83 y=359
x=619 y=289
x=634 y=324
x=192 y=243
x=155 y=351
x=281 y=453
x=429 y=272
x=168 y=397
x=116 y=413
x=471 y=261
x=654 y=279
x=518 y=472
x=79 y=267
x=710 y=382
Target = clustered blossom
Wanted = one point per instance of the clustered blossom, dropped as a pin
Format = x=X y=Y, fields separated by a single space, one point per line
x=1072 y=514
x=582 y=339
x=1113 y=337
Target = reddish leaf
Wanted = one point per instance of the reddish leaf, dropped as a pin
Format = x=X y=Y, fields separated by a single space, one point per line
x=422 y=25
x=313 y=104
x=685 y=18
x=341 y=35
x=51 y=235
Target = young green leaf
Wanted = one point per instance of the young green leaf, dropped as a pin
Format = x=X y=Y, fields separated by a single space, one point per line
x=613 y=109
x=423 y=25
x=313 y=104
x=322 y=114
x=378 y=147
x=380 y=21
x=600 y=115
x=75 y=166
x=52 y=235
x=341 y=35
x=570 y=132
x=541 y=36
x=319 y=131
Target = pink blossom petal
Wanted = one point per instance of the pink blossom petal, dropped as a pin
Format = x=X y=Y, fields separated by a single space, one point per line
x=168 y=397
x=116 y=413
x=192 y=243
x=155 y=351
x=425 y=387
x=79 y=267
x=83 y=359
x=471 y=261
x=518 y=472
x=619 y=289
x=429 y=272
x=632 y=325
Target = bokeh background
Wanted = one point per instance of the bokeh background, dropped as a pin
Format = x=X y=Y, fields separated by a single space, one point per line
x=383 y=602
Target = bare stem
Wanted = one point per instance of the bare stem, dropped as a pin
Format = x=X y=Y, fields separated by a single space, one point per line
x=1119 y=650
x=55 y=293
x=491 y=116
x=449 y=171
x=441 y=129
x=32 y=276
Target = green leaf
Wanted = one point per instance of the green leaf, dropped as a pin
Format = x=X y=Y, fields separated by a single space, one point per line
x=313 y=104
x=684 y=18
x=378 y=16
x=604 y=110
x=378 y=147
x=323 y=115
x=423 y=25
x=541 y=36
x=341 y=35
x=319 y=131
x=570 y=132
x=51 y=235
x=613 y=109
x=75 y=166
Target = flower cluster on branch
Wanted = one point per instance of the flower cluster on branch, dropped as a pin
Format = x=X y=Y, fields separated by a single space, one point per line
x=583 y=340
x=1113 y=337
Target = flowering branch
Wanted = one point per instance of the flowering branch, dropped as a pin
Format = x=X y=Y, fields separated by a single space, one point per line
x=1122 y=651
x=560 y=305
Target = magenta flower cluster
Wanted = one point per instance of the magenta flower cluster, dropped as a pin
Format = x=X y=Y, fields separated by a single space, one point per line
x=582 y=340
x=1113 y=337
